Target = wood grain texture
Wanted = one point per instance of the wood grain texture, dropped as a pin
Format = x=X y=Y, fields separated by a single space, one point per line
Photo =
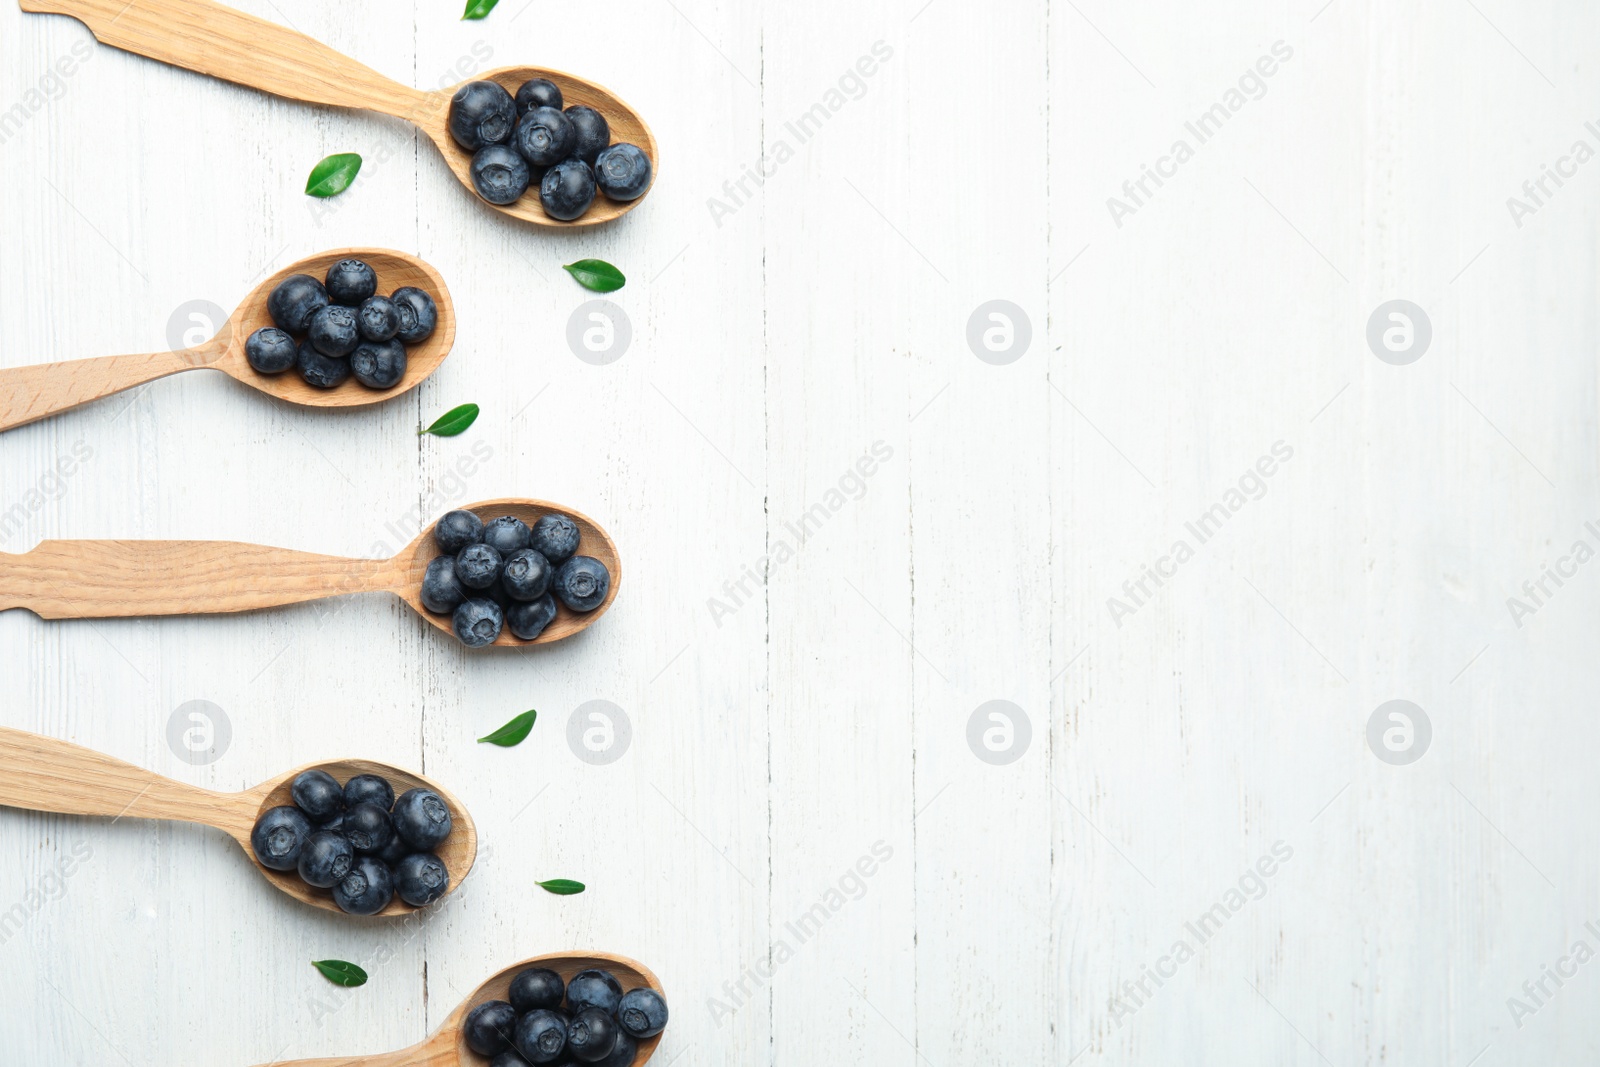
x=210 y=38
x=28 y=394
x=44 y=774
x=127 y=579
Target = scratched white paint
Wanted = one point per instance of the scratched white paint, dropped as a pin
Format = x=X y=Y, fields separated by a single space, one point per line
x=799 y=839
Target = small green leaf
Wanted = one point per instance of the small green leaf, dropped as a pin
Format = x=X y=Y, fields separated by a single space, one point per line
x=562 y=887
x=452 y=422
x=477 y=9
x=333 y=175
x=341 y=973
x=514 y=732
x=596 y=274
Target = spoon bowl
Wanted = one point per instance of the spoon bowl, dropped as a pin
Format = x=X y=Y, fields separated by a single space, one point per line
x=395 y=270
x=627 y=127
x=593 y=541
x=447 y=1046
x=458 y=853
x=44 y=774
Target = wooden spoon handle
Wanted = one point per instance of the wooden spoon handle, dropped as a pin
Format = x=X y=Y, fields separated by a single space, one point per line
x=43 y=774
x=431 y=1053
x=206 y=37
x=28 y=394
x=117 y=579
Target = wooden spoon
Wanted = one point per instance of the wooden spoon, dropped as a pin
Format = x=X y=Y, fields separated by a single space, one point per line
x=121 y=579
x=43 y=774
x=206 y=37
x=447 y=1047
x=28 y=394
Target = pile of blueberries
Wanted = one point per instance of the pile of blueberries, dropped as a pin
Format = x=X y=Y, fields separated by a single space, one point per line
x=528 y=139
x=505 y=573
x=347 y=328
x=600 y=1024
x=358 y=841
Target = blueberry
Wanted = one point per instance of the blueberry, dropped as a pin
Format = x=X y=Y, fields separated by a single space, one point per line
x=367 y=889
x=481 y=113
x=335 y=823
x=507 y=534
x=541 y=1036
x=497 y=593
x=368 y=827
x=622 y=172
x=279 y=837
x=508 y=1059
x=379 y=364
x=477 y=566
x=333 y=331
x=623 y=1052
x=591 y=1035
x=537 y=987
x=368 y=789
x=500 y=175
x=642 y=1012
x=396 y=850
x=582 y=583
x=527 y=619
x=326 y=859
x=324 y=372
x=592 y=133
x=350 y=281
x=378 y=318
x=555 y=537
x=457 y=530
x=567 y=189
x=270 y=350
x=544 y=136
x=441 y=593
x=294 y=301
x=318 y=795
x=538 y=92
x=489 y=1027
x=478 y=622
x=422 y=818
x=594 y=989
x=527 y=575
x=421 y=879
x=418 y=314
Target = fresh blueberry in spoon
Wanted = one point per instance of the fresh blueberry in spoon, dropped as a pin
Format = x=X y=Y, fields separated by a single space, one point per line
x=294 y=301
x=555 y=537
x=527 y=619
x=270 y=350
x=318 y=795
x=422 y=818
x=591 y=132
x=441 y=593
x=591 y=1035
x=489 y=1027
x=500 y=175
x=544 y=136
x=418 y=314
x=323 y=372
x=379 y=364
x=326 y=859
x=582 y=583
x=526 y=575
x=477 y=566
x=538 y=92
x=481 y=113
x=366 y=890
x=279 y=837
x=537 y=987
x=378 y=318
x=642 y=1012
x=368 y=827
x=457 y=530
x=507 y=534
x=368 y=789
x=333 y=330
x=567 y=189
x=594 y=988
x=541 y=1036
x=622 y=171
x=350 y=282
x=420 y=879
x=622 y=1053
x=478 y=622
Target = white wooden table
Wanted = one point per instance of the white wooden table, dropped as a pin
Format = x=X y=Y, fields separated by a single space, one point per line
x=799 y=708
